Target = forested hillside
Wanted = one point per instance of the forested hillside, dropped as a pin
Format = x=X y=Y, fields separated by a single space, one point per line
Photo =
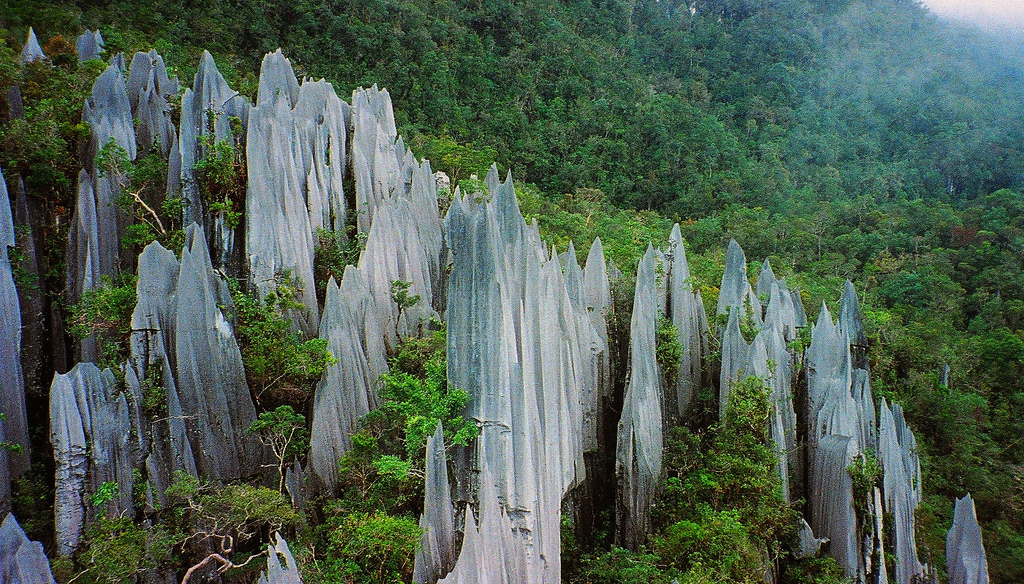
x=861 y=140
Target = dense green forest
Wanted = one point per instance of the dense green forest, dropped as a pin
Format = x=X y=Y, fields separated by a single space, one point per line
x=842 y=139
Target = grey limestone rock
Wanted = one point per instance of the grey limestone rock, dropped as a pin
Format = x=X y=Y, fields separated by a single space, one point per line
x=296 y=152
x=180 y=329
x=375 y=159
x=598 y=302
x=965 y=552
x=89 y=45
x=93 y=444
x=735 y=293
x=687 y=313
x=21 y=561
x=640 y=436
x=832 y=510
x=524 y=354
x=31 y=52
x=12 y=382
x=901 y=482
x=436 y=555
x=149 y=89
x=278 y=571
x=207 y=108
x=348 y=389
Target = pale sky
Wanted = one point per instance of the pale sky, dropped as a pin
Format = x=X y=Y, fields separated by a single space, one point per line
x=1004 y=14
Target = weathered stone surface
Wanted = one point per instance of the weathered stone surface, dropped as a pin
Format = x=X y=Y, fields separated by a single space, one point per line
x=12 y=382
x=180 y=330
x=92 y=441
x=689 y=318
x=965 y=552
x=148 y=90
x=89 y=45
x=832 y=511
x=640 y=437
x=21 y=561
x=901 y=482
x=735 y=294
x=598 y=302
x=436 y=554
x=31 y=52
x=348 y=389
x=207 y=109
x=296 y=159
x=376 y=161
x=521 y=351
x=809 y=545
x=281 y=565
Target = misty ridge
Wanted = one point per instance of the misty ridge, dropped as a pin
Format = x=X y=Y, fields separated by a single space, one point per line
x=511 y=291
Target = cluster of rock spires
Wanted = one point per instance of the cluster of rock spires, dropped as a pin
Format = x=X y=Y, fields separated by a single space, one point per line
x=527 y=339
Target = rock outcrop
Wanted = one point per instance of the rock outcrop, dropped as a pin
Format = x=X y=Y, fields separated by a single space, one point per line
x=149 y=89
x=965 y=552
x=21 y=561
x=686 y=309
x=89 y=45
x=348 y=389
x=520 y=350
x=640 y=438
x=281 y=565
x=93 y=446
x=901 y=482
x=12 y=382
x=436 y=555
x=184 y=347
x=31 y=52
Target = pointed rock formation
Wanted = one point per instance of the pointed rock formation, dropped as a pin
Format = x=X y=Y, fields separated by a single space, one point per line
x=965 y=552
x=21 y=561
x=296 y=159
x=31 y=52
x=12 y=381
x=901 y=482
x=436 y=555
x=348 y=389
x=735 y=294
x=93 y=444
x=640 y=438
x=182 y=343
x=375 y=160
x=149 y=89
x=278 y=572
x=688 y=315
x=89 y=45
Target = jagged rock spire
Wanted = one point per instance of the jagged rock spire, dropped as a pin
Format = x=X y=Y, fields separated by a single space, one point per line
x=640 y=436
x=278 y=572
x=21 y=561
x=348 y=389
x=436 y=555
x=89 y=45
x=965 y=552
x=901 y=482
x=93 y=444
x=31 y=52
x=12 y=382
x=735 y=293
x=687 y=314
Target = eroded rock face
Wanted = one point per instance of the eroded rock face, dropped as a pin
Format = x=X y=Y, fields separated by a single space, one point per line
x=89 y=45
x=436 y=554
x=640 y=438
x=209 y=108
x=376 y=161
x=12 y=382
x=32 y=52
x=735 y=294
x=281 y=566
x=965 y=552
x=185 y=347
x=93 y=444
x=21 y=561
x=148 y=90
x=348 y=389
x=901 y=482
x=687 y=312
x=524 y=354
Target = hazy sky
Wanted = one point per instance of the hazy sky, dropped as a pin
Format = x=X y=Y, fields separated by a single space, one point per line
x=1007 y=14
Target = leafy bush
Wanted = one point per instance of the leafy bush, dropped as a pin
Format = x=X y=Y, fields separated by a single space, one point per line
x=668 y=350
x=280 y=367
x=106 y=312
x=371 y=548
x=285 y=433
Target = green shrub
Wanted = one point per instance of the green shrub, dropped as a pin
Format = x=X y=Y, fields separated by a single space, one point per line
x=106 y=312
x=371 y=548
x=668 y=350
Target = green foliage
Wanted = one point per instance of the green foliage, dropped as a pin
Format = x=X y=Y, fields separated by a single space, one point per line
x=280 y=367
x=221 y=175
x=866 y=474
x=154 y=394
x=621 y=566
x=668 y=350
x=458 y=161
x=331 y=256
x=370 y=547
x=106 y=312
x=285 y=433
x=116 y=550
x=106 y=493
